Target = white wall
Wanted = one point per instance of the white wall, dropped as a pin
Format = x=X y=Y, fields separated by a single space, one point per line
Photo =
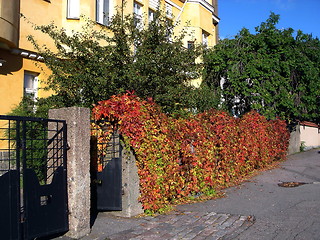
x=309 y=135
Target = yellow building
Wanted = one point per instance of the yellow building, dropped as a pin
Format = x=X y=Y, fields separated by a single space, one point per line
x=21 y=70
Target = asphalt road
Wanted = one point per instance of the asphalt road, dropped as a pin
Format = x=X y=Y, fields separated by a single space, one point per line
x=280 y=212
x=256 y=210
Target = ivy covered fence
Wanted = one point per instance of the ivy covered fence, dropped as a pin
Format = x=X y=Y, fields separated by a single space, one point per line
x=179 y=158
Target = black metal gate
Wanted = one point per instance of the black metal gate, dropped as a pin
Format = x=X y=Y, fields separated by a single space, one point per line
x=33 y=182
x=106 y=170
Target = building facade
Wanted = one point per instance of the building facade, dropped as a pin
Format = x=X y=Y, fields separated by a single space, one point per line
x=21 y=68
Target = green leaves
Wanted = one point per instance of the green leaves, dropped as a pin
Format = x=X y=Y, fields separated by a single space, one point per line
x=99 y=61
x=180 y=158
x=272 y=72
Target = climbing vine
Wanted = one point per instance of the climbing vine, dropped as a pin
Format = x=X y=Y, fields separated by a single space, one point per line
x=182 y=158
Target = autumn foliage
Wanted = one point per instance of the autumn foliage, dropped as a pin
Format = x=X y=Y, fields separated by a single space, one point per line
x=179 y=158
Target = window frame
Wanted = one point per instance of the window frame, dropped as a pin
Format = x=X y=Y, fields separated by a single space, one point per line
x=151 y=15
x=138 y=16
x=169 y=10
x=71 y=14
x=33 y=92
x=205 y=38
x=190 y=45
x=103 y=15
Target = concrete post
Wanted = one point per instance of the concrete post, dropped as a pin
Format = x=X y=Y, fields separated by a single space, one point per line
x=78 y=168
x=130 y=186
x=294 y=143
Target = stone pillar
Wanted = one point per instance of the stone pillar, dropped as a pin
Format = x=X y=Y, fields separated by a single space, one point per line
x=78 y=167
x=295 y=142
x=130 y=186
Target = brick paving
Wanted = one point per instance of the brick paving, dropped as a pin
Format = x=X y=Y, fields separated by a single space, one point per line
x=187 y=226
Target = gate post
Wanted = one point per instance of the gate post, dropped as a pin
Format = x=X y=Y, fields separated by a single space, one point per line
x=295 y=140
x=78 y=167
x=130 y=186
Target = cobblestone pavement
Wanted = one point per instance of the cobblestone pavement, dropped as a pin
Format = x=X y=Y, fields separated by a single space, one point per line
x=188 y=225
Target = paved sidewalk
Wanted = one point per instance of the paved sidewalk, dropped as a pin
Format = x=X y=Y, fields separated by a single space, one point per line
x=256 y=210
x=280 y=212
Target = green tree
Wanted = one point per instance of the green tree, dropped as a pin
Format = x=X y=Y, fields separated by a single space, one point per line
x=274 y=71
x=91 y=65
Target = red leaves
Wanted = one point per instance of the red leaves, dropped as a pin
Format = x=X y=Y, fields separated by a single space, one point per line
x=177 y=158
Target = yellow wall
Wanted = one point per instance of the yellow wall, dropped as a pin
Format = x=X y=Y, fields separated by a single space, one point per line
x=11 y=88
x=11 y=79
x=42 y=12
x=200 y=19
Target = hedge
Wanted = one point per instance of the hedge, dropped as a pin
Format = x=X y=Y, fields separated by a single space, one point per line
x=179 y=158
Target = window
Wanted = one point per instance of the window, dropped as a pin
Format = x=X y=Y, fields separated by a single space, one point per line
x=73 y=10
x=137 y=8
x=151 y=15
x=190 y=44
x=103 y=11
x=205 y=37
x=169 y=10
x=169 y=31
x=30 y=84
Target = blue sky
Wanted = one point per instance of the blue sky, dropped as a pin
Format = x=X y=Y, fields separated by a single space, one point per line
x=297 y=14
